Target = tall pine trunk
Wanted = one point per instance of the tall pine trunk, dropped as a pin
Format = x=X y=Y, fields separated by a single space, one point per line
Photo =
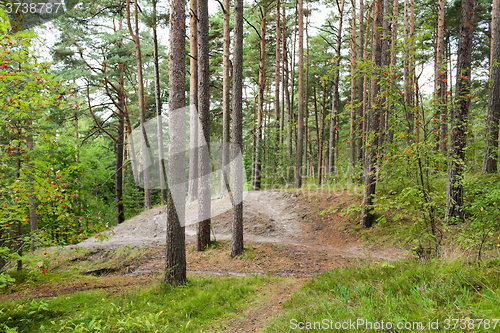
x=226 y=90
x=300 y=122
x=490 y=159
x=408 y=74
x=361 y=92
x=256 y=182
x=335 y=103
x=352 y=136
x=120 y=140
x=193 y=102
x=204 y=193
x=372 y=118
x=459 y=118
x=175 y=258
x=142 y=105
x=277 y=80
x=385 y=110
x=159 y=120
x=237 y=137
x=440 y=76
x=32 y=197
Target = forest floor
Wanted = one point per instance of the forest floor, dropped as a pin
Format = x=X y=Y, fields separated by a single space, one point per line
x=289 y=234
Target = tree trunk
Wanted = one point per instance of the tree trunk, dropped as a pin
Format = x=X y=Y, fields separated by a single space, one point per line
x=120 y=139
x=291 y=116
x=408 y=74
x=456 y=162
x=226 y=91
x=365 y=81
x=300 y=134
x=352 y=136
x=204 y=195
x=335 y=106
x=321 y=130
x=490 y=159
x=256 y=182
x=142 y=106
x=440 y=77
x=175 y=258
x=283 y=78
x=373 y=124
x=277 y=83
x=394 y=42
x=286 y=87
x=193 y=102
x=385 y=111
x=32 y=197
x=159 y=124
x=306 y=106
x=361 y=92
x=316 y=118
x=237 y=137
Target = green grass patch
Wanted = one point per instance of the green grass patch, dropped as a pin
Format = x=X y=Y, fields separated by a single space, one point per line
x=203 y=304
x=402 y=292
x=80 y=260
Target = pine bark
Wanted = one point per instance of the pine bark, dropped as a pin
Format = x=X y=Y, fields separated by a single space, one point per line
x=440 y=76
x=120 y=141
x=193 y=102
x=277 y=80
x=373 y=123
x=361 y=92
x=226 y=91
x=408 y=92
x=306 y=109
x=300 y=123
x=365 y=81
x=204 y=192
x=385 y=110
x=490 y=160
x=237 y=137
x=352 y=136
x=142 y=105
x=32 y=197
x=393 y=52
x=175 y=258
x=256 y=182
x=159 y=119
x=459 y=118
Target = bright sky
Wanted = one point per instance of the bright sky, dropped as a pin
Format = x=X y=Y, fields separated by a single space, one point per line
x=318 y=17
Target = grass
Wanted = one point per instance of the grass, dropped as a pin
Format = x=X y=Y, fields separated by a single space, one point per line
x=78 y=261
x=406 y=292
x=203 y=304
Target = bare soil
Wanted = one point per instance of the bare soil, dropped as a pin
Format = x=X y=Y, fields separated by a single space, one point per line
x=290 y=234
x=293 y=233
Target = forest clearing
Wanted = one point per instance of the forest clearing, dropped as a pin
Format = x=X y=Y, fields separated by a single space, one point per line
x=249 y=165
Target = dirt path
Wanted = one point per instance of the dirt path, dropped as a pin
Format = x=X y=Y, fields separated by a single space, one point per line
x=269 y=302
x=285 y=234
x=295 y=235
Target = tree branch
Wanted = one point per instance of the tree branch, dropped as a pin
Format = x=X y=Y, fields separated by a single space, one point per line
x=95 y=118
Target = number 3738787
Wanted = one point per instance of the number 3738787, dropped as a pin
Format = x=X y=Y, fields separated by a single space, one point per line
x=470 y=324
x=32 y=8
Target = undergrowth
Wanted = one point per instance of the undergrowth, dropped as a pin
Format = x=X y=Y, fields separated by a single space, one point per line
x=201 y=305
x=402 y=292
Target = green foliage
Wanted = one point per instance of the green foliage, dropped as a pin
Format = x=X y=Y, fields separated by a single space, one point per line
x=201 y=304
x=41 y=167
x=483 y=213
x=407 y=291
